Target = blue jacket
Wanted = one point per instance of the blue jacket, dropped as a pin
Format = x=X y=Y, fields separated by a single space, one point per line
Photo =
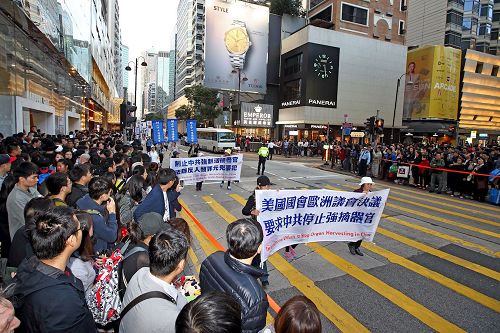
x=105 y=225
x=49 y=300
x=153 y=202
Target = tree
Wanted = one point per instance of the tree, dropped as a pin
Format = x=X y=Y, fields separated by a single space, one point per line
x=202 y=105
x=290 y=7
x=153 y=116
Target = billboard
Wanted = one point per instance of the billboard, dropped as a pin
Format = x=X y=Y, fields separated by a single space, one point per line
x=432 y=83
x=256 y=115
x=236 y=43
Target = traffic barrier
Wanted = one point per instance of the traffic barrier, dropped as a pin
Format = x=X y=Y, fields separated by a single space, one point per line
x=215 y=242
x=440 y=169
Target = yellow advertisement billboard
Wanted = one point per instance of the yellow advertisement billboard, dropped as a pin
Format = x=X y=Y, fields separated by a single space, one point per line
x=432 y=83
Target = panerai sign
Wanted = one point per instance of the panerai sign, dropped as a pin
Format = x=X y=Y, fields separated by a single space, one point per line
x=256 y=115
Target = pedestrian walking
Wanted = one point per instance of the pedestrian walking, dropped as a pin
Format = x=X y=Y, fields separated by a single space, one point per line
x=271 y=146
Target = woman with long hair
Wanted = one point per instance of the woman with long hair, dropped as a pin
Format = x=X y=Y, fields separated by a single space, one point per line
x=131 y=195
x=81 y=262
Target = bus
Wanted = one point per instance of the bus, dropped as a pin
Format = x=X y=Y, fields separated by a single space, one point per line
x=215 y=139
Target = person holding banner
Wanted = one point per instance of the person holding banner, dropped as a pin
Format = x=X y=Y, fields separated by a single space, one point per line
x=227 y=152
x=366 y=186
x=263 y=183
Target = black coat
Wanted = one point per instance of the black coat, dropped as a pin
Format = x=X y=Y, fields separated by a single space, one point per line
x=49 y=300
x=77 y=192
x=221 y=272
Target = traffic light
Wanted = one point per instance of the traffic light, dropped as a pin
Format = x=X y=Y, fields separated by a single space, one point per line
x=379 y=126
x=127 y=112
x=370 y=125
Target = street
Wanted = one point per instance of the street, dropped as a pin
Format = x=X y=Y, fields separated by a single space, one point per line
x=433 y=264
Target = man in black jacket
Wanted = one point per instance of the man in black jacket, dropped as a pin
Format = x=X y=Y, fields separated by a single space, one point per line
x=232 y=272
x=47 y=296
x=80 y=176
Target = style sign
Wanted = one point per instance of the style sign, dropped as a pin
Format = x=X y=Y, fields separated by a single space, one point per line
x=173 y=135
x=158 y=134
x=256 y=115
x=291 y=217
x=192 y=134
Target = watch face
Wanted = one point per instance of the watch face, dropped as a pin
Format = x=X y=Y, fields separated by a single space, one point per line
x=323 y=66
x=236 y=40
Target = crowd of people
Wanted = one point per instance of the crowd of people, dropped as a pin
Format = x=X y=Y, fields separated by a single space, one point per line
x=91 y=241
x=464 y=172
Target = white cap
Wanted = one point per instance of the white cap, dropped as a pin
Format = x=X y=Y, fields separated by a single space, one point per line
x=366 y=180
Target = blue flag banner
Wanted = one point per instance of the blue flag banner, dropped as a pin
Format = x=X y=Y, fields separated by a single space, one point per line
x=173 y=135
x=192 y=136
x=158 y=134
x=291 y=217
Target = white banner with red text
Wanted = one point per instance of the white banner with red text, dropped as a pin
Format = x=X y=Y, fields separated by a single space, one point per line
x=198 y=169
x=291 y=217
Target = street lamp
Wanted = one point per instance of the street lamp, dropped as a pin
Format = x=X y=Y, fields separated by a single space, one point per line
x=234 y=71
x=128 y=68
x=395 y=105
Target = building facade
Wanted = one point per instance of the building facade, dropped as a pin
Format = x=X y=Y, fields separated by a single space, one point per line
x=149 y=77
x=383 y=20
x=326 y=80
x=163 y=80
x=54 y=74
x=125 y=60
x=465 y=24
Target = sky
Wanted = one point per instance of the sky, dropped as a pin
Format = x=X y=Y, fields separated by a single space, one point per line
x=145 y=25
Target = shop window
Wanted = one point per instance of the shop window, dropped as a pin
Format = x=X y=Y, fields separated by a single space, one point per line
x=494 y=70
x=354 y=14
x=291 y=90
x=479 y=67
x=293 y=65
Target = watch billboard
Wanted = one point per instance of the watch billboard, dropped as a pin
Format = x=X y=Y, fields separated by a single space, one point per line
x=236 y=44
x=310 y=76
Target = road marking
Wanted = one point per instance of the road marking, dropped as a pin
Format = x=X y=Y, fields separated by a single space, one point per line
x=435 y=233
x=330 y=309
x=207 y=247
x=468 y=292
x=441 y=254
x=445 y=204
x=436 y=218
x=406 y=303
x=440 y=197
x=478 y=219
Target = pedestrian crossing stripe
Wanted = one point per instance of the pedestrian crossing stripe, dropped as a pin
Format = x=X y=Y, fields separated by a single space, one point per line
x=330 y=309
x=435 y=252
x=441 y=203
x=436 y=218
x=461 y=202
x=459 y=288
x=414 y=308
x=469 y=217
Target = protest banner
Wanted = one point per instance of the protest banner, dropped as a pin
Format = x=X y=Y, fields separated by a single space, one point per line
x=291 y=217
x=198 y=169
x=192 y=135
x=172 y=130
x=158 y=134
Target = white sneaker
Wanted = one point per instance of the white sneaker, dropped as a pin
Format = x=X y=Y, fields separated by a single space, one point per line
x=229 y=188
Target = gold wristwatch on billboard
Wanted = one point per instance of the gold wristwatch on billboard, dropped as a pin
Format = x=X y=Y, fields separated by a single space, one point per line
x=237 y=43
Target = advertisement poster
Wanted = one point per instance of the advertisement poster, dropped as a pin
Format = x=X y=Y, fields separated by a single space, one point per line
x=173 y=135
x=236 y=44
x=291 y=217
x=158 y=134
x=432 y=83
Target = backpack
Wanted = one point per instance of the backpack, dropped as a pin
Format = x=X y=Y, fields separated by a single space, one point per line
x=103 y=299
